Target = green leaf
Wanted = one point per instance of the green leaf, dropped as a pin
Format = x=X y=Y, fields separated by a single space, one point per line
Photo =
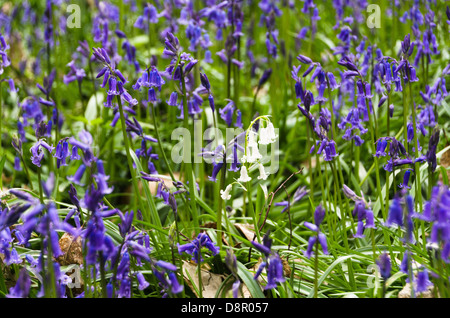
x=91 y=109
x=2 y=165
x=151 y=204
x=248 y=280
x=446 y=107
x=330 y=268
x=444 y=175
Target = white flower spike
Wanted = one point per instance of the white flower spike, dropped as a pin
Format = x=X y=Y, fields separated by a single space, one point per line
x=267 y=134
x=244 y=175
x=252 y=154
x=225 y=194
x=262 y=172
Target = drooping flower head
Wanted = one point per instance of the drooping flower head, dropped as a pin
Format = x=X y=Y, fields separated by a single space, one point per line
x=384 y=264
x=271 y=261
x=194 y=248
x=319 y=237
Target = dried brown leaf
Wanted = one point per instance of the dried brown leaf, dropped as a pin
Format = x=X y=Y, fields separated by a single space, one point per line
x=247 y=230
x=210 y=282
x=72 y=249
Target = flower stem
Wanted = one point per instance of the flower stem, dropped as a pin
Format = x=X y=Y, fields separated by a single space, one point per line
x=220 y=204
x=188 y=162
x=127 y=150
x=252 y=210
x=388 y=133
x=199 y=273
x=155 y=125
x=416 y=148
x=103 y=275
x=310 y=170
x=372 y=144
x=41 y=194
x=51 y=269
x=316 y=267
x=1 y=121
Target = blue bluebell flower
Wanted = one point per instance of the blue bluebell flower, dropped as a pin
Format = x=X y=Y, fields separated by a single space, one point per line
x=37 y=154
x=194 y=248
x=299 y=194
x=22 y=287
x=271 y=262
x=406 y=177
x=76 y=178
x=384 y=264
x=319 y=237
x=165 y=273
x=395 y=215
x=422 y=281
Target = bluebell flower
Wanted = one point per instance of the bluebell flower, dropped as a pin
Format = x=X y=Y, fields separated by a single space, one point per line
x=271 y=262
x=37 y=153
x=150 y=15
x=126 y=222
x=384 y=264
x=332 y=81
x=216 y=168
x=432 y=147
x=319 y=237
x=264 y=77
x=410 y=132
x=349 y=193
x=62 y=152
x=404 y=265
x=274 y=272
x=10 y=216
x=4 y=59
x=85 y=145
x=327 y=147
x=406 y=177
x=76 y=178
x=165 y=273
x=422 y=281
x=395 y=215
x=74 y=153
x=299 y=194
x=22 y=287
x=226 y=113
x=194 y=248
x=143 y=284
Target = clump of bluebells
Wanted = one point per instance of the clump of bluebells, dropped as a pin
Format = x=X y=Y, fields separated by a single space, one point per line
x=247 y=140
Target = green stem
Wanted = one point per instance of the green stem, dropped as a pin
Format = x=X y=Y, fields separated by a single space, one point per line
x=344 y=225
x=372 y=144
x=52 y=287
x=405 y=115
x=103 y=276
x=220 y=204
x=310 y=169
x=127 y=150
x=1 y=122
x=158 y=137
x=199 y=273
x=318 y=167
x=388 y=133
x=166 y=161
x=41 y=193
x=27 y=172
x=416 y=150
x=3 y=288
x=328 y=213
x=188 y=163
x=316 y=268
x=252 y=210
